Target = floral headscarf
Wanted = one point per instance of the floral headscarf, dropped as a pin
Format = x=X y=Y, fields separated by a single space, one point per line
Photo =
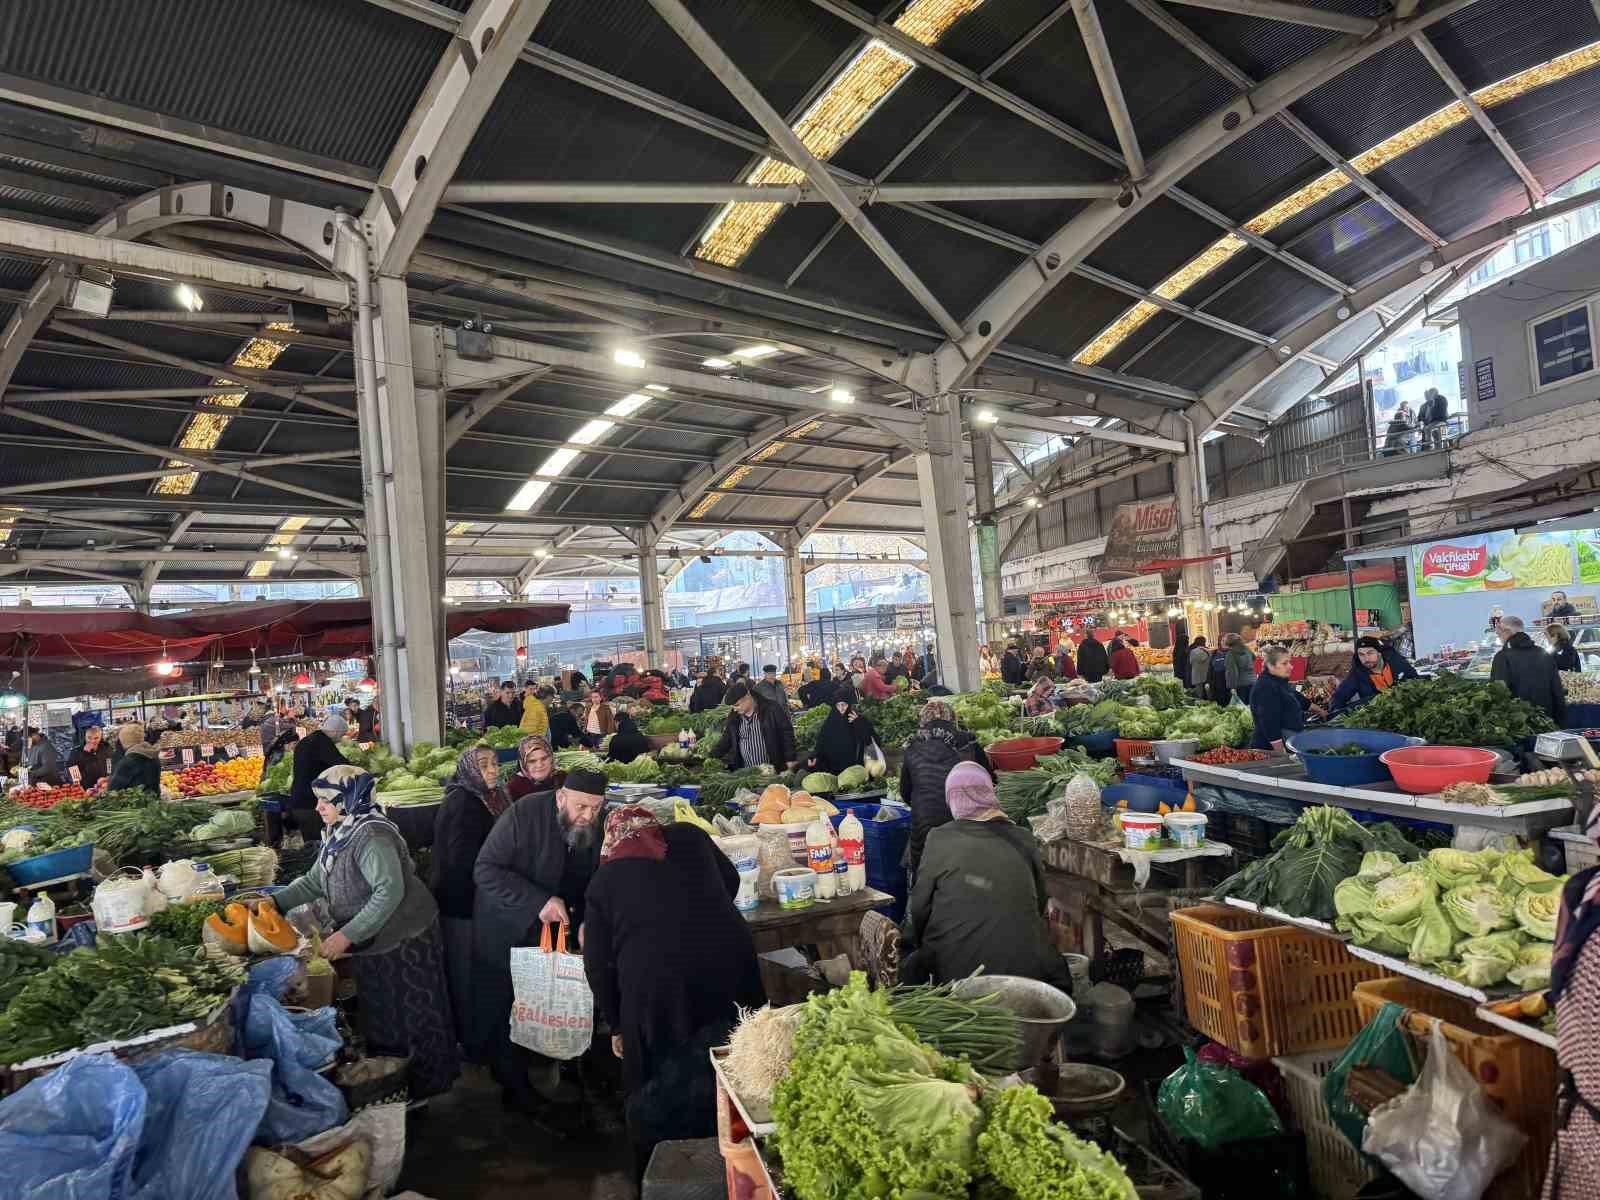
x=526 y=747
x=632 y=832
x=349 y=789
x=469 y=774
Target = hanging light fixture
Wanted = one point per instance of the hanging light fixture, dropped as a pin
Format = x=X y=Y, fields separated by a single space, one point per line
x=302 y=680
x=164 y=665
x=255 y=667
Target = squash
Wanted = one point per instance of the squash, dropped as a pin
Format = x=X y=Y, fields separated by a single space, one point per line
x=227 y=932
x=1163 y=808
x=269 y=933
x=798 y=799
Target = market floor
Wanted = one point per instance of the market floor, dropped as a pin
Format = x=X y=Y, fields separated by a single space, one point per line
x=466 y=1146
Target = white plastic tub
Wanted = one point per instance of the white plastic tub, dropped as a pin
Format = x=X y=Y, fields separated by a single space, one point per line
x=1141 y=831
x=1188 y=829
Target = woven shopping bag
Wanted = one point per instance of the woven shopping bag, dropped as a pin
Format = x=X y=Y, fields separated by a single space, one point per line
x=552 y=1009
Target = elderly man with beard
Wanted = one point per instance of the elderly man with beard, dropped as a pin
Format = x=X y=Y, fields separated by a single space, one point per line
x=534 y=869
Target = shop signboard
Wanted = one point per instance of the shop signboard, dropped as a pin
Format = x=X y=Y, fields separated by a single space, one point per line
x=1142 y=532
x=1140 y=587
x=1494 y=562
x=1563 y=346
x=1084 y=596
x=1587 y=543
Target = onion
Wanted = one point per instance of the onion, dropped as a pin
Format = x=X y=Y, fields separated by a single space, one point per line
x=760 y=1048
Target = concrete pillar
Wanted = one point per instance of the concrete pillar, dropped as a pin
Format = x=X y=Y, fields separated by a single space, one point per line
x=941 y=484
x=794 y=594
x=411 y=488
x=1198 y=582
x=651 y=615
x=140 y=595
x=987 y=531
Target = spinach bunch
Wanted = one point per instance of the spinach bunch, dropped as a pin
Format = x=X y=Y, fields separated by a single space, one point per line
x=1448 y=710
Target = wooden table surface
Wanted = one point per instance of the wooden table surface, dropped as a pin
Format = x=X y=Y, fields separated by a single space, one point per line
x=829 y=926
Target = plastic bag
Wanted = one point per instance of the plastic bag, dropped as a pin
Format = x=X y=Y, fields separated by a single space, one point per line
x=383 y=1126
x=201 y=1113
x=553 y=1010
x=1383 y=1044
x=72 y=1134
x=1213 y=1105
x=303 y=1103
x=1442 y=1137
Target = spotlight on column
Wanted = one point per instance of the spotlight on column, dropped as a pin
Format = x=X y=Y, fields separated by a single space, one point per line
x=627 y=356
x=986 y=416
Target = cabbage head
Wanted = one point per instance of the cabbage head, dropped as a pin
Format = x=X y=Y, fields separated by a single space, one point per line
x=1536 y=912
x=1400 y=897
x=1484 y=961
x=1454 y=868
x=1517 y=870
x=1435 y=939
x=1353 y=897
x=1477 y=909
x=1374 y=934
x=1533 y=966
x=1378 y=864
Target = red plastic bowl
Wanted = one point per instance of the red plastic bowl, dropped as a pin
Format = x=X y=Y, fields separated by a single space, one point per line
x=1019 y=754
x=1423 y=770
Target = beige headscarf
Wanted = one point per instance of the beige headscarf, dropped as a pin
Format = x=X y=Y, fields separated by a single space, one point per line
x=130 y=735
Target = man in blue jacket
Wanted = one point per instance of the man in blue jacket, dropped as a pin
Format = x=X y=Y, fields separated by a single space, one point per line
x=1376 y=668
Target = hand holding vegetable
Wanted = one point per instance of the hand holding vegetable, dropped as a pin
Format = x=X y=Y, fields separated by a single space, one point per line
x=335 y=945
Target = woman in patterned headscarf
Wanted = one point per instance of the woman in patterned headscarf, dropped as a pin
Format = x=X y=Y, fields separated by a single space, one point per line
x=536 y=769
x=473 y=801
x=387 y=923
x=670 y=960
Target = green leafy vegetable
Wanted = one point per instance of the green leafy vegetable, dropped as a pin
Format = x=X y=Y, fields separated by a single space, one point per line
x=1034 y=1158
x=1435 y=939
x=1477 y=909
x=1536 y=913
x=1448 y=710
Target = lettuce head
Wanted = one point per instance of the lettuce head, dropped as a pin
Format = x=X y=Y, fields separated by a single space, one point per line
x=1517 y=870
x=1533 y=966
x=1399 y=897
x=1477 y=909
x=1353 y=897
x=1536 y=913
x=1378 y=864
x=1453 y=868
x=1435 y=939
x=1484 y=961
x=1376 y=935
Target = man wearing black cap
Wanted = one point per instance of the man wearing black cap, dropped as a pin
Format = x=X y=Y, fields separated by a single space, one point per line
x=770 y=687
x=757 y=731
x=533 y=870
x=505 y=709
x=1377 y=667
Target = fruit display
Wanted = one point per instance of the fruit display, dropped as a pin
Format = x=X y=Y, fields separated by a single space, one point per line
x=1151 y=656
x=43 y=796
x=214 y=779
x=1224 y=756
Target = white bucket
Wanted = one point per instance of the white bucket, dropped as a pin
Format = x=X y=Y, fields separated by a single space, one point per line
x=1141 y=831
x=795 y=887
x=8 y=915
x=1188 y=829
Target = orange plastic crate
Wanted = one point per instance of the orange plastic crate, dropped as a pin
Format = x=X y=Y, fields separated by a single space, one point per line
x=1517 y=1074
x=1130 y=748
x=1263 y=988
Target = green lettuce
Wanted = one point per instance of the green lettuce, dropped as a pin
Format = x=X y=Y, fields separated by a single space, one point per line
x=1378 y=935
x=1435 y=939
x=1483 y=961
x=1536 y=912
x=1453 y=868
x=1477 y=909
x=1378 y=864
x=1353 y=897
x=1034 y=1158
x=1533 y=966
x=1399 y=898
x=1517 y=870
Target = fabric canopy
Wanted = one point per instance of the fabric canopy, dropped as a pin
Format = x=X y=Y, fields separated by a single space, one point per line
x=54 y=640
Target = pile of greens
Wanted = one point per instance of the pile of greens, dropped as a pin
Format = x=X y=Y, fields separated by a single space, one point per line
x=643 y=769
x=121 y=988
x=1024 y=794
x=867 y=1111
x=1078 y=719
x=719 y=786
x=504 y=737
x=1163 y=691
x=278 y=778
x=182 y=923
x=19 y=962
x=1479 y=917
x=1311 y=859
x=895 y=719
x=705 y=724
x=1213 y=725
x=807 y=725
x=1448 y=710
x=991 y=719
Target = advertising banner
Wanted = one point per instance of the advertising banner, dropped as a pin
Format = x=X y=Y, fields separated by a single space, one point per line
x=1494 y=562
x=1142 y=532
x=1084 y=596
x=1140 y=587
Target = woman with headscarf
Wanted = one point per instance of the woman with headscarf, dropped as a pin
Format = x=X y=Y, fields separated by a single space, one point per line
x=843 y=739
x=937 y=746
x=387 y=923
x=473 y=801
x=819 y=690
x=1574 y=1169
x=670 y=961
x=140 y=764
x=313 y=754
x=536 y=769
x=1040 y=701
x=627 y=743
x=979 y=898
x=1124 y=662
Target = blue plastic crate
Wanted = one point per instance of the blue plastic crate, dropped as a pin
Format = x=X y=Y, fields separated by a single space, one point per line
x=689 y=791
x=885 y=841
x=1152 y=779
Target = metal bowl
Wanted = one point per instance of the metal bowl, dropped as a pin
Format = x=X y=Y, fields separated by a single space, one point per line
x=1077 y=1089
x=1042 y=1011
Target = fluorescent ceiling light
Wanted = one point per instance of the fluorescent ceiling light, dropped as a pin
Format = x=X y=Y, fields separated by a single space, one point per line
x=591 y=432
x=717 y=364
x=624 y=357
x=758 y=351
x=541 y=552
x=628 y=405
x=656 y=387
x=188 y=298
x=842 y=396
x=986 y=416
x=527 y=495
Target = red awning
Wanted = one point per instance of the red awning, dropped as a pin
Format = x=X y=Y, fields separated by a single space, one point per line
x=60 y=639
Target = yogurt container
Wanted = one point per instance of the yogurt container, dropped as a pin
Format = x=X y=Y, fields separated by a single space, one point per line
x=794 y=887
x=742 y=852
x=1141 y=831
x=1188 y=829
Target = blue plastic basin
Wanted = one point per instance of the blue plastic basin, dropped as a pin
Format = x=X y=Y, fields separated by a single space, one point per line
x=1140 y=797
x=1341 y=770
x=1101 y=743
x=58 y=864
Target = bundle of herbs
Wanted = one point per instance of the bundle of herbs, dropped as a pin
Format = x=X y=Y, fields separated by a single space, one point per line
x=1310 y=859
x=1448 y=710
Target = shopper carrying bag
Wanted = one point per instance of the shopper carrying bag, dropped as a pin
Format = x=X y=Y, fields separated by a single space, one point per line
x=553 y=1010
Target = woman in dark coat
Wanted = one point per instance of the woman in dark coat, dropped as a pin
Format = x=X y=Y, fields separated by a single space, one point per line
x=1276 y=710
x=931 y=753
x=473 y=801
x=670 y=961
x=140 y=764
x=1180 y=659
x=708 y=692
x=627 y=743
x=843 y=739
x=1093 y=663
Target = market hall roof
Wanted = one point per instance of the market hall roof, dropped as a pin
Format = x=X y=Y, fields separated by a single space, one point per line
x=1205 y=183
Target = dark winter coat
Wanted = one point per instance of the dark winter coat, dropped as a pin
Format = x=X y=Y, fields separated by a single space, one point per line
x=524 y=861
x=707 y=694
x=93 y=766
x=1275 y=710
x=1531 y=675
x=1093 y=662
x=627 y=743
x=140 y=767
x=313 y=754
x=665 y=951
x=459 y=831
x=776 y=728
x=1012 y=669
x=497 y=714
x=1357 y=687
x=978 y=902
x=1124 y=663
x=842 y=743
x=565 y=732
x=817 y=692
x=931 y=754
x=1567 y=658
x=1239 y=664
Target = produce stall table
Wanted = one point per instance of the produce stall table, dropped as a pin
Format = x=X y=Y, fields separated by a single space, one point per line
x=828 y=927
x=1287 y=780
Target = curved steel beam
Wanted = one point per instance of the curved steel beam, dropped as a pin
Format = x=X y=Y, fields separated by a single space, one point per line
x=698 y=482
x=843 y=491
x=998 y=314
x=306 y=226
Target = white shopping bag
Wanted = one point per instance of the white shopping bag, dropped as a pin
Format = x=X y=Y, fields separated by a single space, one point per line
x=552 y=1009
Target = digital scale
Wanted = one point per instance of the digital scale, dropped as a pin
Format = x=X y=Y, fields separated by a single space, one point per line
x=1564 y=746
